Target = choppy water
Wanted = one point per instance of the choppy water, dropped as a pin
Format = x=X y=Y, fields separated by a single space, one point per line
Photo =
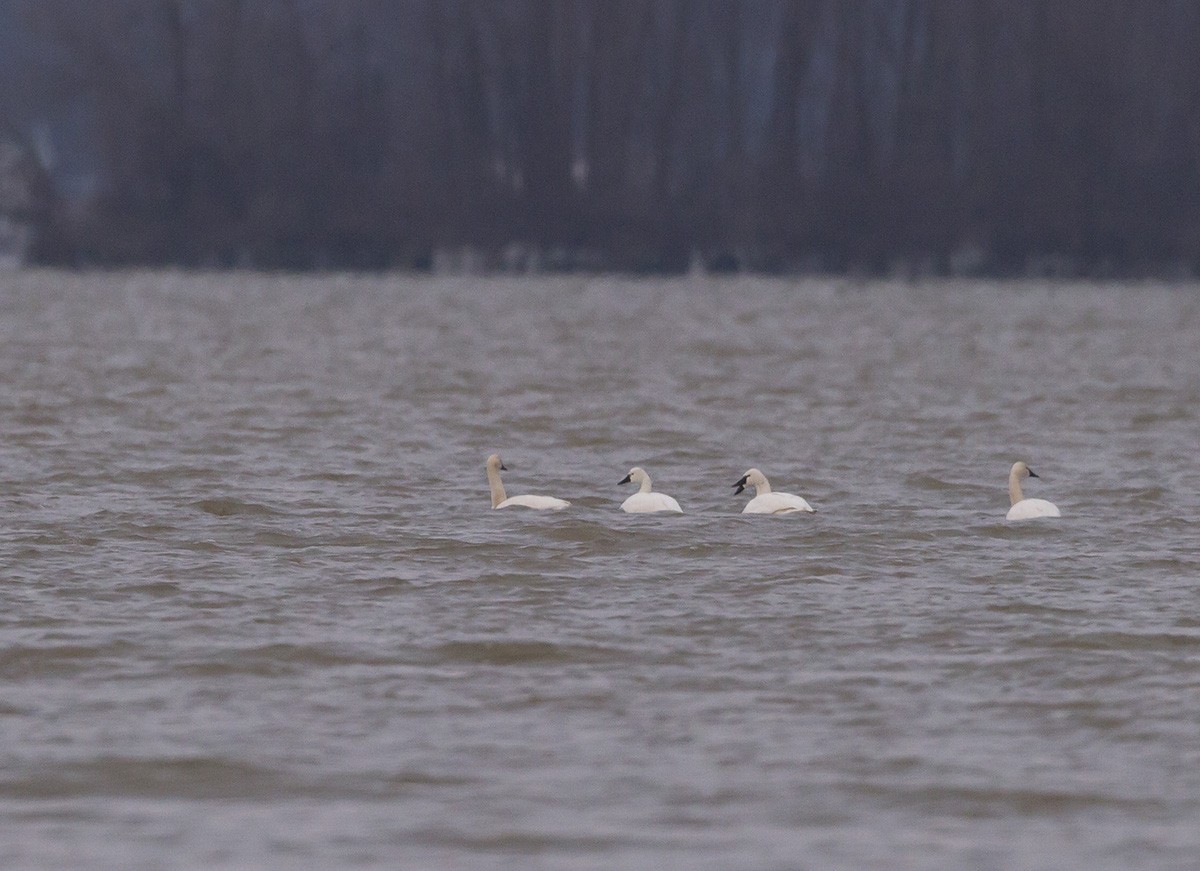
x=255 y=610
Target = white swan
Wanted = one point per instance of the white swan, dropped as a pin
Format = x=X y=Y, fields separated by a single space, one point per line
x=643 y=501
x=766 y=502
x=499 y=500
x=1022 y=508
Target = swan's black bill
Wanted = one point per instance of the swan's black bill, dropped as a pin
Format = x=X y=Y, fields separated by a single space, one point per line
x=624 y=480
x=740 y=485
x=1033 y=474
x=503 y=468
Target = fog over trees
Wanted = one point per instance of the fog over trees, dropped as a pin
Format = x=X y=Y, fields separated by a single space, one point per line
x=997 y=136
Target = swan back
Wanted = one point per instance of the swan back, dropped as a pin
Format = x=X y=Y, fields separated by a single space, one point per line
x=500 y=499
x=650 y=503
x=777 y=503
x=542 y=503
x=1028 y=509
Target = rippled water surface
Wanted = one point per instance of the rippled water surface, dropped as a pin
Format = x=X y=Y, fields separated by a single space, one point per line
x=255 y=610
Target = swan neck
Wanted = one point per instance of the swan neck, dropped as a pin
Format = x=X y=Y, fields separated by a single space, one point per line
x=1014 y=488
x=762 y=487
x=495 y=486
x=645 y=487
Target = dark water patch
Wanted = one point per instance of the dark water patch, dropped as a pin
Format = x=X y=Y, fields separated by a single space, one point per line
x=402 y=780
x=198 y=546
x=330 y=476
x=1180 y=566
x=284 y=540
x=156 y=589
x=153 y=531
x=519 y=843
x=39 y=416
x=1062 y=714
x=526 y=652
x=498 y=583
x=596 y=533
x=169 y=480
x=21 y=662
x=1169 y=414
x=1152 y=494
x=1165 y=642
x=466 y=546
x=63 y=539
x=1021 y=531
x=230 y=507
x=280 y=659
x=930 y=483
x=1038 y=609
x=996 y=802
x=189 y=777
x=365 y=541
x=383 y=585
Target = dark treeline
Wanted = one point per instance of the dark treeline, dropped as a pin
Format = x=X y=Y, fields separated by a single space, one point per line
x=973 y=135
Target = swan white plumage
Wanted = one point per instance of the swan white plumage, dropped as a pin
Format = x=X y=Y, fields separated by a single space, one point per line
x=765 y=501
x=644 y=501
x=500 y=500
x=1022 y=508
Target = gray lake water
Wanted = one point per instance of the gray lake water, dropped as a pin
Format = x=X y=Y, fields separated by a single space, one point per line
x=256 y=610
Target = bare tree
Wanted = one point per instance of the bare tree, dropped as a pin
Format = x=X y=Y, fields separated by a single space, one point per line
x=860 y=134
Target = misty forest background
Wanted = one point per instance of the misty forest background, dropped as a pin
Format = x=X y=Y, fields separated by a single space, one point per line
x=991 y=136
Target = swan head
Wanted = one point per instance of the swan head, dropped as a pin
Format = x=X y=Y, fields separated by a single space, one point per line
x=753 y=478
x=494 y=464
x=1021 y=470
x=636 y=476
